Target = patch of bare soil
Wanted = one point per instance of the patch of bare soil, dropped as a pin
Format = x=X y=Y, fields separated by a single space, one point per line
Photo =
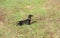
x=1 y=24
x=2 y=14
x=3 y=19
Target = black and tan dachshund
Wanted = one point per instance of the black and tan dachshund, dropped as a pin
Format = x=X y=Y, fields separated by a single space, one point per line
x=27 y=21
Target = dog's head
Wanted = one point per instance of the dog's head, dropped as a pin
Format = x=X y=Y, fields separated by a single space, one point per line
x=30 y=15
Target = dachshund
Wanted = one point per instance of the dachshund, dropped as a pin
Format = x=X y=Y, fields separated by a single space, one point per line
x=27 y=21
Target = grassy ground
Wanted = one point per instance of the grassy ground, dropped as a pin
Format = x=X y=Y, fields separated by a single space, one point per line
x=46 y=13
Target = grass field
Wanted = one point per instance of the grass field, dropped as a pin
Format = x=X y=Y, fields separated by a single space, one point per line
x=46 y=14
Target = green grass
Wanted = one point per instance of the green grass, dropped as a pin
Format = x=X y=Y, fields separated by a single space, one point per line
x=46 y=26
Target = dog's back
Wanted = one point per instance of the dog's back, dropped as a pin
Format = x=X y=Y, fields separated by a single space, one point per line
x=27 y=21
